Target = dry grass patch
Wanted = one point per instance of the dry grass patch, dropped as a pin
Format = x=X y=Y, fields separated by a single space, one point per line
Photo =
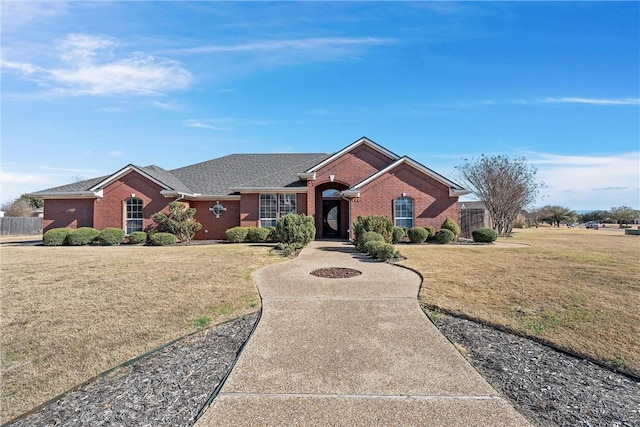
x=69 y=313
x=578 y=289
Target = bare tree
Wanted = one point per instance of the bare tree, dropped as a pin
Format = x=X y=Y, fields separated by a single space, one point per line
x=18 y=207
x=506 y=186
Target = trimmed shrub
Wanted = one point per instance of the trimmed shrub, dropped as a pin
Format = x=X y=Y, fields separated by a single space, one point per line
x=385 y=252
x=137 y=237
x=295 y=228
x=56 y=236
x=378 y=223
x=451 y=224
x=371 y=247
x=82 y=236
x=417 y=234
x=179 y=221
x=290 y=249
x=431 y=230
x=445 y=236
x=237 y=234
x=163 y=239
x=397 y=235
x=484 y=235
x=111 y=236
x=258 y=234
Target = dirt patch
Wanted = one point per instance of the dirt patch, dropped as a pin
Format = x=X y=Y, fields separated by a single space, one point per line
x=336 y=273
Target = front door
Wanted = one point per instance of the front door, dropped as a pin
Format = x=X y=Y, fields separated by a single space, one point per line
x=330 y=219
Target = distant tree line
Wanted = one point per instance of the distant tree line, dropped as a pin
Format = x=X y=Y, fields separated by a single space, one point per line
x=556 y=215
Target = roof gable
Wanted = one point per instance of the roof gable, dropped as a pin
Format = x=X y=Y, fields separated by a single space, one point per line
x=361 y=141
x=454 y=189
x=153 y=173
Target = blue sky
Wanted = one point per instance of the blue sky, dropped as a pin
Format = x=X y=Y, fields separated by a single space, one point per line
x=89 y=87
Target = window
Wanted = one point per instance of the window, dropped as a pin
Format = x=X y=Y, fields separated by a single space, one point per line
x=133 y=215
x=274 y=206
x=404 y=212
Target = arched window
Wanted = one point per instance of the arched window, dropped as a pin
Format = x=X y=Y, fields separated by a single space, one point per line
x=133 y=215
x=403 y=214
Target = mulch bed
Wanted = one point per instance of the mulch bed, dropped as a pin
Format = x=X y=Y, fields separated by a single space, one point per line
x=546 y=386
x=335 y=273
x=171 y=386
x=167 y=388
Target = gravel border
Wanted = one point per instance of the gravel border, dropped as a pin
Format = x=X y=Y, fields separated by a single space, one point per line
x=169 y=387
x=174 y=384
x=546 y=386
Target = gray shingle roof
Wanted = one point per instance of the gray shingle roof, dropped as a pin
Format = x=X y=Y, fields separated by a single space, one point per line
x=222 y=175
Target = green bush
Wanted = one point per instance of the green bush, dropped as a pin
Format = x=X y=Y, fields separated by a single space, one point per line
x=397 y=235
x=380 y=224
x=179 y=221
x=82 y=236
x=295 y=228
x=258 y=234
x=163 y=239
x=385 y=252
x=111 y=236
x=484 y=235
x=452 y=225
x=417 y=234
x=237 y=234
x=290 y=249
x=56 y=236
x=371 y=235
x=445 y=236
x=431 y=230
x=371 y=247
x=137 y=237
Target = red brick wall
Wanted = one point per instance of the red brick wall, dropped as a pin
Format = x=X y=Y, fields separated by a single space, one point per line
x=72 y=213
x=249 y=205
x=431 y=201
x=109 y=211
x=212 y=227
x=354 y=166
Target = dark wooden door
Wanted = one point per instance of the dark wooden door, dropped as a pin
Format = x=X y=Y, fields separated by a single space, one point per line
x=331 y=218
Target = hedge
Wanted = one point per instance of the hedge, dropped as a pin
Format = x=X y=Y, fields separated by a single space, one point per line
x=82 y=236
x=397 y=235
x=111 y=236
x=452 y=225
x=237 y=234
x=417 y=234
x=378 y=223
x=137 y=237
x=258 y=234
x=295 y=228
x=385 y=252
x=484 y=235
x=56 y=236
x=163 y=239
x=445 y=236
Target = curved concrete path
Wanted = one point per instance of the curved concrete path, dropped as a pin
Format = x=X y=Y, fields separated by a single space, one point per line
x=356 y=351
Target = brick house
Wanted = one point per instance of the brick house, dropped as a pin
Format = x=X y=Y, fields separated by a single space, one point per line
x=364 y=178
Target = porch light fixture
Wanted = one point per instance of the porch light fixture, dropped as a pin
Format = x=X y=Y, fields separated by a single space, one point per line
x=218 y=209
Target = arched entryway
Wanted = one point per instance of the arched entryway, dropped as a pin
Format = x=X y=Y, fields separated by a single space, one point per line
x=332 y=210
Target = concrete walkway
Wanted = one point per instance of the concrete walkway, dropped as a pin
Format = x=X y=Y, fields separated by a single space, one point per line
x=349 y=352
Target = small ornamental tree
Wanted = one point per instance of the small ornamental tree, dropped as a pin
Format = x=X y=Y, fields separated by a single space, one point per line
x=297 y=229
x=179 y=221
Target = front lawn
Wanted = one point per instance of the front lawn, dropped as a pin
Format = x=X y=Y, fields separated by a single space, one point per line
x=578 y=289
x=69 y=313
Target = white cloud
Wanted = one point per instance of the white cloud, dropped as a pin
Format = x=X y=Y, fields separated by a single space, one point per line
x=116 y=153
x=594 y=101
x=317 y=45
x=19 y=13
x=204 y=124
x=589 y=182
x=89 y=66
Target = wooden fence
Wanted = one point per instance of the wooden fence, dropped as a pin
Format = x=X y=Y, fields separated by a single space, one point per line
x=472 y=219
x=20 y=226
